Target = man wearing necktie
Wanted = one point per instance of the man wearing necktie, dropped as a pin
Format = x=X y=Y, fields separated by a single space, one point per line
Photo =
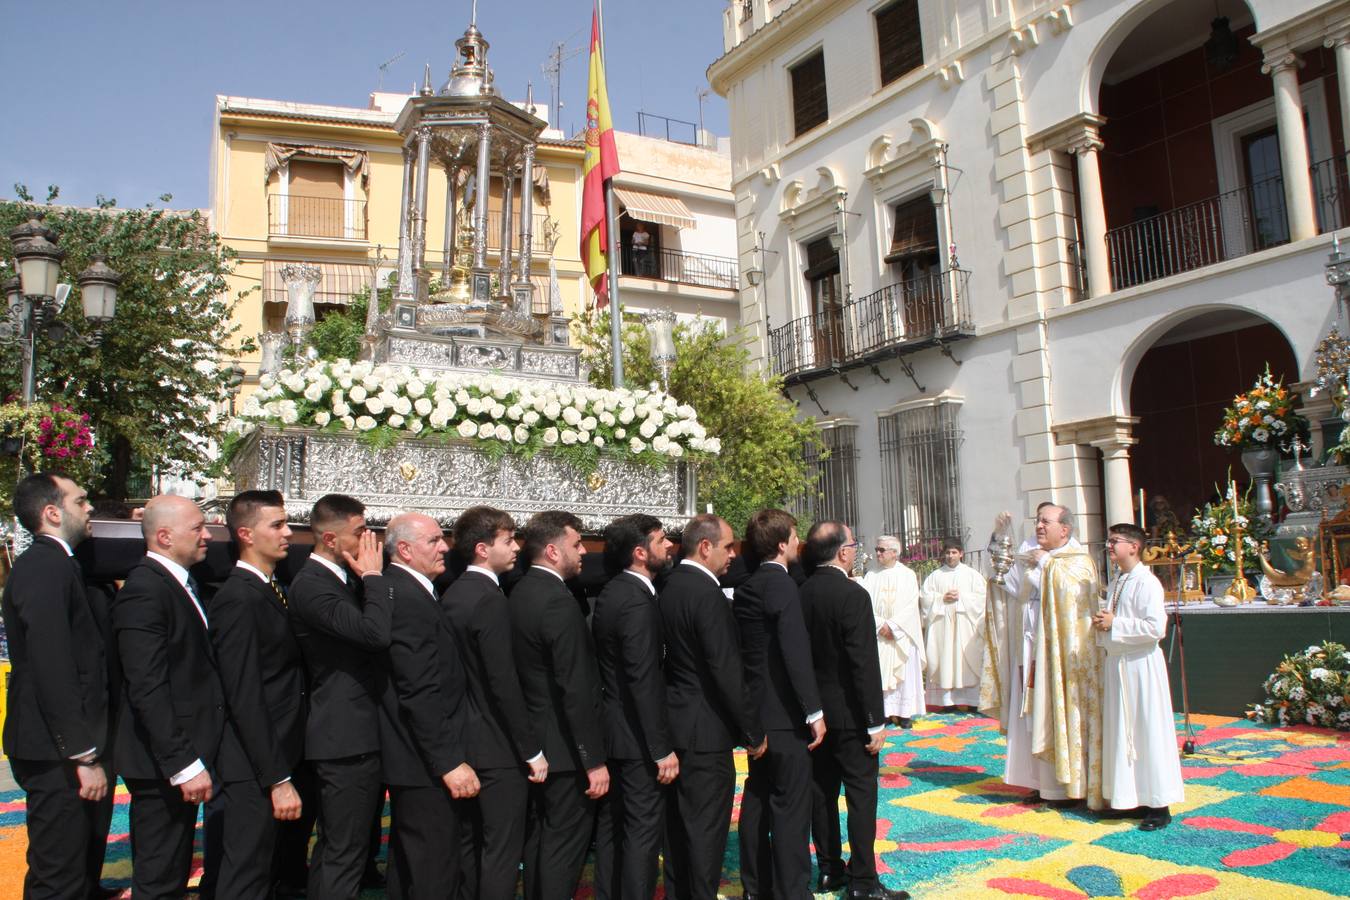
x=172 y=732
x=423 y=717
x=56 y=730
x=262 y=673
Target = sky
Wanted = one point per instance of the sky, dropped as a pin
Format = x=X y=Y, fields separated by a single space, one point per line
x=115 y=97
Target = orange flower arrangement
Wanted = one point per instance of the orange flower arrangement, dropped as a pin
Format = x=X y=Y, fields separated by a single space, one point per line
x=1262 y=417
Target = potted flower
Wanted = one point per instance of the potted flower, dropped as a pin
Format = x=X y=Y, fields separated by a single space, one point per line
x=44 y=437
x=1213 y=534
x=1259 y=423
x=1308 y=688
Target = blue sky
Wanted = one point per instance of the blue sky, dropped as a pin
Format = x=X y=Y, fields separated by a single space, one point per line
x=115 y=96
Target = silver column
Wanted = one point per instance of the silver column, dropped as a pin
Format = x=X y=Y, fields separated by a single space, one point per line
x=526 y=213
x=404 y=289
x=451 y=207
x=420 y=222
x=508 y=202
x=480 y=209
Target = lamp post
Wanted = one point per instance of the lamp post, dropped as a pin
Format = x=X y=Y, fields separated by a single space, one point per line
x=661 y=331
x=36 y=295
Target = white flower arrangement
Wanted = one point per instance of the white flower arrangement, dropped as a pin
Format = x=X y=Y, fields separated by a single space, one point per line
x=386 y=402
x=1308 y=688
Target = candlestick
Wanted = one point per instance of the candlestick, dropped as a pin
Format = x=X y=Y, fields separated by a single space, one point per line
x=1142 y=520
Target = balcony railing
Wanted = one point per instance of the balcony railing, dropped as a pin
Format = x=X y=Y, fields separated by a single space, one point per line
x=1331 y=194
x=295 y=215
x=900 y=317
x=538 y=239
x=698 y=269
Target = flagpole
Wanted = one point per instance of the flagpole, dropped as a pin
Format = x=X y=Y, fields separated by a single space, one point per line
x=612 y=275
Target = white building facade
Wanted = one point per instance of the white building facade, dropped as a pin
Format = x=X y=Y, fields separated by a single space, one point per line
x=1009 y=251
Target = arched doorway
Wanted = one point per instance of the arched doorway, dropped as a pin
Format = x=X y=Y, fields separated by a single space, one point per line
x=1182 y=384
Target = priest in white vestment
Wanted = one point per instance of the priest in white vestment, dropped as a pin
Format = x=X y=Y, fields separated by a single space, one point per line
x=953 y=609
x=1140 y=765
x=894 y=589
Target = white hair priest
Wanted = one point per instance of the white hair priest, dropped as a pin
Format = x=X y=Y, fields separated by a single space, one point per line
x=894 y=589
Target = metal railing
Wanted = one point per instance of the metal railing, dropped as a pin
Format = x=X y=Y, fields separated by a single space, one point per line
x=650 y=125
x=295 y=215
x=931 y=307
x=538 y=239
x=1219 y=228
x=699 y=269
x=1331 y=194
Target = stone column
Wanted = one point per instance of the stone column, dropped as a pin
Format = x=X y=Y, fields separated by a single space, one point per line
x=419 y=223
x=1283 y=70
x=1116 y=480
x=527 y=213
x=480 y=209
x=1093 y=207
x=1341 y=43
x=404 y=288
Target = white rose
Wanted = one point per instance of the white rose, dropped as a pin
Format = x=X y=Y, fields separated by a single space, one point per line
x=583 y=436
x=521 y=434
x=713 y=445
x=661 y=443
x=486 y=431
x=461 y=397
x=415 y=388
x=607 y=419
x=598 y=441
x=345 y=382
x=474 y=407
x=636 y=445
x=675 y=451
x=357 y=393
x=530 y=418
x=467 y=429
x=550 y=436
x=552 y=410
x=374 y=405
x=322 y=418
x=497 y=411
x=365 y=423
x=361 y=369
x=620 y=433
x=447 y=409
x=295 y=383
x=267 y=381
x=514 y=412
x=312 y=393
x=391 y=385
x=647 y=429
x=501 y=389
x=396 y=421
x=348 y=423
x=415 y=426
x=423 y=406
x=289 y=417
x=588 y=423
x=572 y=416
x=437 y=419
x=626 y=415
x=370 y=382
x=569 y=436
x=685 y=411
x=502 y=433
x=402 y=405
x=341 y=409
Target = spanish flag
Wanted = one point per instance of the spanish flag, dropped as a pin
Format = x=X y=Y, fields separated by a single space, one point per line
x=600 y=163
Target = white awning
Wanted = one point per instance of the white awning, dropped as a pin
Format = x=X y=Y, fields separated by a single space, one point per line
x=656 y=208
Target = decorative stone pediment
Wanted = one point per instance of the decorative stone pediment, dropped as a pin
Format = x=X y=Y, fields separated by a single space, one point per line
x=800 y=200
x=890 y=161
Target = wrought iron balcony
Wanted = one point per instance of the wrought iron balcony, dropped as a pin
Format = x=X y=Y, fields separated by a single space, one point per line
x=538 y=238
x=294 y=215
x=898 y=319
x=676 y=266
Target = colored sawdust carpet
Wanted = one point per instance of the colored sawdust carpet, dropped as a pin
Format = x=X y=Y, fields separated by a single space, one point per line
x=1267 y=815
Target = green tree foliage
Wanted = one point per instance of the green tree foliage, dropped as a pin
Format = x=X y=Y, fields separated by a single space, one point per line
x=763 y=443
x=152 y=384
x=338 y=332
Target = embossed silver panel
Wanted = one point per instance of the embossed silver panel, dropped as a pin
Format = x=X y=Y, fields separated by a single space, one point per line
x=442 y=478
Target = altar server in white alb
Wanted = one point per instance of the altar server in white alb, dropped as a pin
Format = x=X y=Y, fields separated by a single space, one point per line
x=953 y=609
x=1140 y=765
x=894 y=589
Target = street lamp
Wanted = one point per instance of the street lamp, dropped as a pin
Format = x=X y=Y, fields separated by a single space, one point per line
x=661 y=331
x=36 y=295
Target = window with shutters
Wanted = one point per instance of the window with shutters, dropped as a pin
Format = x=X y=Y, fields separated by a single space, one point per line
x=899 y=40
x=921 y=473
x=809 y=104
x=827 y=302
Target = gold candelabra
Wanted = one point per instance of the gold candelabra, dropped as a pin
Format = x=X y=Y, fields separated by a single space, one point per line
x=1241 y=590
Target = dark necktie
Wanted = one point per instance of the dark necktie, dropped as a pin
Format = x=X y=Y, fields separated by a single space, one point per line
x=193 y=589
x=276 y=589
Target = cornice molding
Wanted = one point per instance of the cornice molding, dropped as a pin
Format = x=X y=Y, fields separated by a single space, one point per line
x=1075 y=134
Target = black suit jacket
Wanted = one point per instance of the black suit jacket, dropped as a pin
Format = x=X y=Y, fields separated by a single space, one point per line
x=174 y=707
x=340 y=639
x=262 y=673
x=501 y=734
x=556 y=663
x=58 y=684
x=705 y=687
x=779 y=679
x=425 y=707
x=844 y=644
x=627 y=629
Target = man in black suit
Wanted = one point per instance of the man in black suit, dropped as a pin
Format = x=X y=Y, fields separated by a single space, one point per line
x=172 y=733
x=503 y=747
x=708 y=709
x=423 y=718
x=556 y=663
x=262 y=674
x=627 y=629
x=56 y=727
x=340 y=638
x=839 y=619
x=775 y=825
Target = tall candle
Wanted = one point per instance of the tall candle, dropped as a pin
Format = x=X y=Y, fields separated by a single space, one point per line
x=1232 y=492
x=1142 y=520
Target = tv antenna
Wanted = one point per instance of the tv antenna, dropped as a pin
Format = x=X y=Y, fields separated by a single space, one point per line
x=552 y=67
x=384 y=68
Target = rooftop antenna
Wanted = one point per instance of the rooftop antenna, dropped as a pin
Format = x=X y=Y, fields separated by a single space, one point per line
x=552 y=67
x=384 y=67
x=702 y=96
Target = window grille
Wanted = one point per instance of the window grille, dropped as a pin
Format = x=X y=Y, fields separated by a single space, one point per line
x=833 y=465
x=810 y=106
x=899 y=39
x=921 y=475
